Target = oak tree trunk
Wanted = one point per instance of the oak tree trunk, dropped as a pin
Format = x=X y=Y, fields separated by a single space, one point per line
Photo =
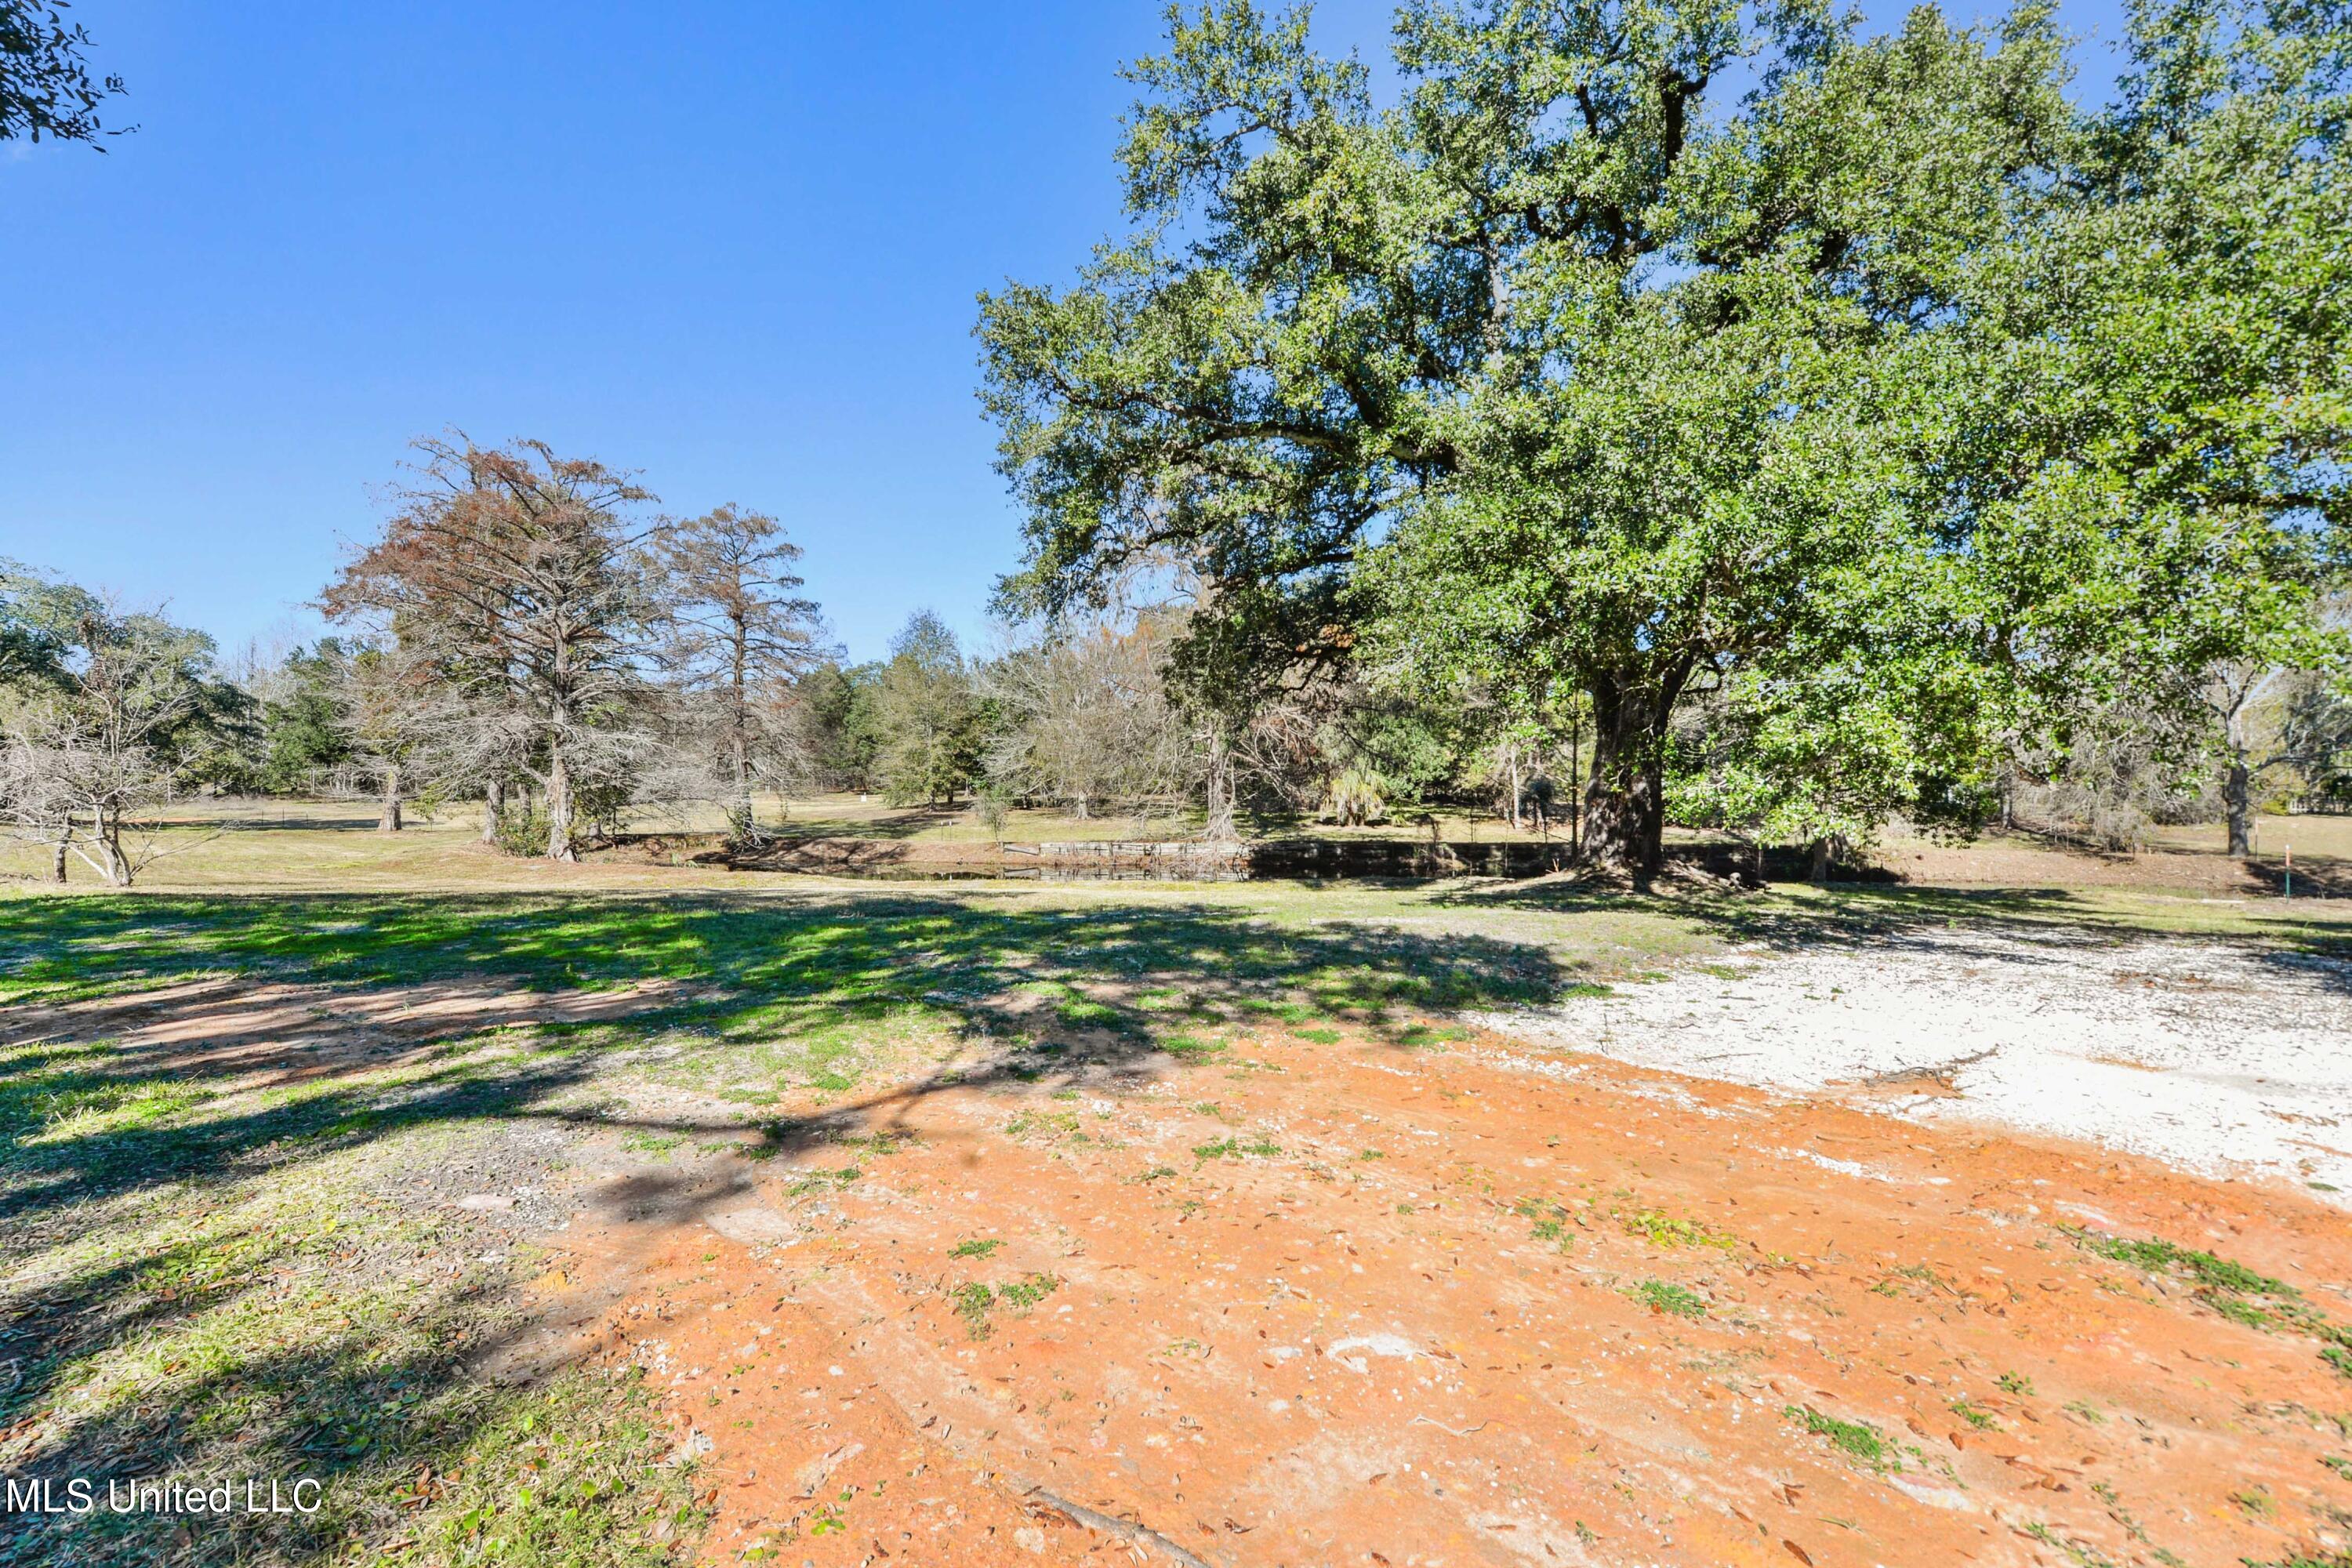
x=1625 y=802
x=113 y=865
x=2237 y=807
x=494 y=800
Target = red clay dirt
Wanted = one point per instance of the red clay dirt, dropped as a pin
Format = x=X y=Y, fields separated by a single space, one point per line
x=1348 y=1303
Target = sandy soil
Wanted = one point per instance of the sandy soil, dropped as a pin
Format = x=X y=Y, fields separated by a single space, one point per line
x=2224 y=1060
x=1372 y=1338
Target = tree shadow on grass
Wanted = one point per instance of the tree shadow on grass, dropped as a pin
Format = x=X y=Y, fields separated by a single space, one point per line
x=2014 y=923
x=899 y=824
x=1019 y=996
x=1025 y=992
x=358 y=820
x=380 y=1412
x=1861 y=914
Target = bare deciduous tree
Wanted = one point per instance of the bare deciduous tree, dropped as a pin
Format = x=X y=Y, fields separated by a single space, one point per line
x=1085 y=719
x=90 y=748
x=2268 y=718
x=737 y=633
x=390 y=707
x=520 y=576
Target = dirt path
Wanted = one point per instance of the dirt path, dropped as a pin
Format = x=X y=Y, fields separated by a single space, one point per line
x=2220 y=1058
x=1341 y=1303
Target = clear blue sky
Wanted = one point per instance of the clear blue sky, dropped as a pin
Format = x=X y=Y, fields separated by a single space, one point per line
x=733 y=245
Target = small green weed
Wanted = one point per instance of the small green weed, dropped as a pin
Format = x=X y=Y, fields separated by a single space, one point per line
x=1190 y=1047
x=978 y=1246
x=1662 y=1230
x=1024 y=1294
x=971 y=1304
x=2158 y=1257
x=2224 y=1286
x=1047 y=1124
x=1672 y=1301
x=974 y=1301
x=1233 y=1149
x=1857 y=1440
x=824 y=1180
x=2076 y=1552
x=659 y=1144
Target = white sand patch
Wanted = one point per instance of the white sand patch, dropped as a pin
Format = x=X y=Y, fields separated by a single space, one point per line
x=2221 y=1060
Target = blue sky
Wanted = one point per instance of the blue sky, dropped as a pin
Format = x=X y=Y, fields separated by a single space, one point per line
x=735 y=247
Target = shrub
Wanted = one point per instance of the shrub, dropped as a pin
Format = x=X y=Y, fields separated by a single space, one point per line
x=522 y=833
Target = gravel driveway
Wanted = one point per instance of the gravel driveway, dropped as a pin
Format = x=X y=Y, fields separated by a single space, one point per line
x=2223 y=1059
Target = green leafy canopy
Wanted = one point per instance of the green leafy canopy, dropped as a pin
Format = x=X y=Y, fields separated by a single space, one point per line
x=1851 y=417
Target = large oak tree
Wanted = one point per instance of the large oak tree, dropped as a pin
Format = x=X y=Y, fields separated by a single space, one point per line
x=1577 y=367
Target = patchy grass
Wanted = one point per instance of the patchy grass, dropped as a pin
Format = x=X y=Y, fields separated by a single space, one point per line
x=2212 y=1273
x=571 y=1474
x=2232 y=1291
x=1974 y=1415
x=1858 y=1440
x=975 y=1301
x=1234 y=1149
x=214 y=1280
x=1662 y=1230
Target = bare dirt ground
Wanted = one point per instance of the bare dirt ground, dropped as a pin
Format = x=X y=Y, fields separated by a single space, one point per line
x=2223 y=1058
x=1342 y=1303
x=1319 y=1299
